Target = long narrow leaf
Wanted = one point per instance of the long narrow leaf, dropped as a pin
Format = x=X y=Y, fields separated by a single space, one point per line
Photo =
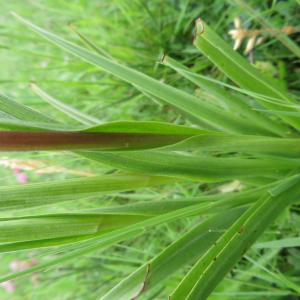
x=206 y=112
x=190 y=166
x=67 y=109
x=38 y=194
x=183 y=251
x=231 y=100
x=230 y=247
x=240 y=71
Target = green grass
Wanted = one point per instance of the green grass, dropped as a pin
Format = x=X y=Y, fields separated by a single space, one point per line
x=157 y=166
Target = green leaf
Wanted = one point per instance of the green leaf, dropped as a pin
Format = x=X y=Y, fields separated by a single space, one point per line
x=107 y=216
x=145 y=127
x=193 y=166
x=90 y=44
x=224 y=143
x=20 y=125
x=67 y=109
x=22 y=112
x=238 y=104
x=282 y=243
x=81 y=248
x=36 y=194
x=241 y=72
x=230 y=247
x=110 y=238
x=189 y=104
x=44 y=227
x=181 y=252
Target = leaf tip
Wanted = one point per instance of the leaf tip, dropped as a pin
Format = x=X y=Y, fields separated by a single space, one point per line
x=144 y=284
x=199 y=27
x=32 y=85
x=163 y=58
x=14 y=14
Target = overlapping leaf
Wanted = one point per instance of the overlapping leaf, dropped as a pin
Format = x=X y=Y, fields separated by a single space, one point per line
x=241 y=72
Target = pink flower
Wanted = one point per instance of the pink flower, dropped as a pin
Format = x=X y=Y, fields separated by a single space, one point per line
x=20 y=176
x=14 y=265
x=9 y=286
x=21 y=265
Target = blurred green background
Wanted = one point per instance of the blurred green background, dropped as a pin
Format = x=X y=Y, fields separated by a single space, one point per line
x=137 y=33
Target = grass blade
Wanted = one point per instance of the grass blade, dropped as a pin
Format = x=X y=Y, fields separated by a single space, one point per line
x=45 y=227
x=188 y=166
x=67 y=109
x=231 y=246
x=231 y=100
x=189 y=104
x=278 y=244
x=240 y=71
x=37 y=194
x=22 y=112
x=181 y=252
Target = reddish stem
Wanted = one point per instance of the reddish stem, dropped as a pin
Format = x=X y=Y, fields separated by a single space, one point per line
x=29 y=141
